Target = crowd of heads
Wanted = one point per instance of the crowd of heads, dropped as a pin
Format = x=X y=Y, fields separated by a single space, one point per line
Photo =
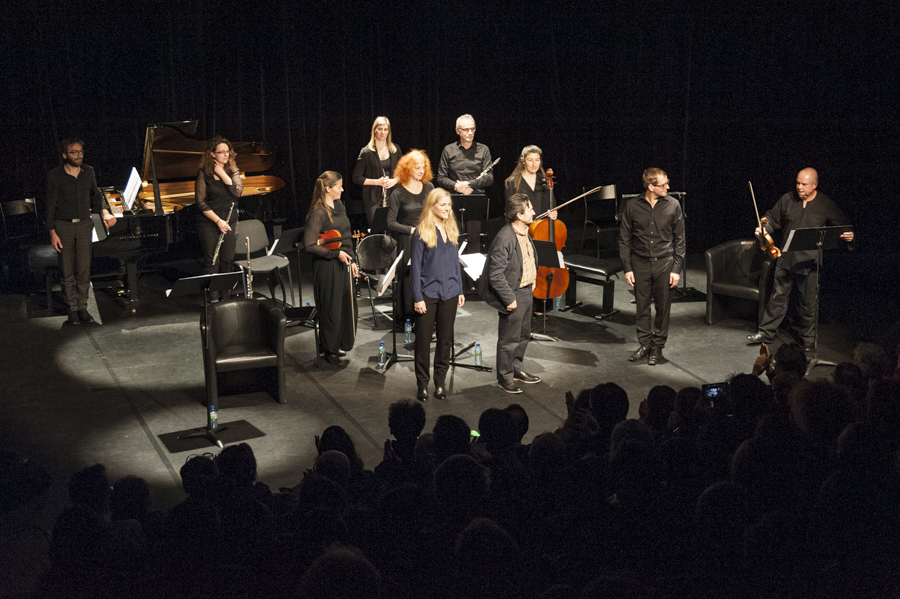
x=787 y=491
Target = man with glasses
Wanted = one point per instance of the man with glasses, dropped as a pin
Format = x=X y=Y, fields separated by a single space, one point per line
x=458 y=172
x=804 y=208
x=72 y=194
x=651 y=245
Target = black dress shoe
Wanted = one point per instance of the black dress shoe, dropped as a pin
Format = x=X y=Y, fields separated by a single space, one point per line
x=509 y=386
x=333 y=359
x=340 y=353
x=440 y=392
x=655 y=357
x=422 y=394
x=641 y=352
x=526 y=378
x=85 y=317
x=73 y=318
x=758 y=337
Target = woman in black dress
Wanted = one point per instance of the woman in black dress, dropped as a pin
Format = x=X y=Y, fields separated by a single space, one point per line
x=375 y=167
x=407 y=199
x=216 y=190
x=334 y=271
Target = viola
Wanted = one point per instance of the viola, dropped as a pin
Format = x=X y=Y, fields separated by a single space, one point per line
x=334 y=235
x=766 y=243
x=551 y=281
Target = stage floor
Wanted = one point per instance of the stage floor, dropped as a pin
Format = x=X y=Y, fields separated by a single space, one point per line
x=119 y=393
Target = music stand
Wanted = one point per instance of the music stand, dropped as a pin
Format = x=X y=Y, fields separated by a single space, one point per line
x=819 y=239
x=391 y=279
x=477 y=203
x=472 y=265
x=686 y=294
x=203 y=284
x=549 y=256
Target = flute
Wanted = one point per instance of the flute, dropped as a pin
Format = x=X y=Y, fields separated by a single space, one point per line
x=222 y=236
x=249 y=272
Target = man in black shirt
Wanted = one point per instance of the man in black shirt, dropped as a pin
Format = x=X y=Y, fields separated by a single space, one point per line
x=458 y=172
x=651 y=246
x=806 y=207
x=72 y=194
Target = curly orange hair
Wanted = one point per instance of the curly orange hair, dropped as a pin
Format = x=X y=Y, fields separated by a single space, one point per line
x=405 y=166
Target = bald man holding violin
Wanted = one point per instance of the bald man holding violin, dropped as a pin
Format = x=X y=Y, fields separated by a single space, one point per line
x=805 y=207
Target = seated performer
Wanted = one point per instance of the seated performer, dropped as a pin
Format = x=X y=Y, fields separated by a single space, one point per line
x=507 y=285
x=805 y=207
x=405 y=205
x=216 y=190
x=375 y=167
x=436 y=281
x=334 y=271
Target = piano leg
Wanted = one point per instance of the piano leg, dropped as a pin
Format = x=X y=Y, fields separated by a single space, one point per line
x=131 y=279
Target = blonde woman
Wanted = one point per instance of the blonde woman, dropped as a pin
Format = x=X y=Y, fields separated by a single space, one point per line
x=375 y=166
x=437 y=289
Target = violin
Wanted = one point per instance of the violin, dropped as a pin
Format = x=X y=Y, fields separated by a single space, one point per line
x=551 y=281
x=766 y=243
x=332 y=239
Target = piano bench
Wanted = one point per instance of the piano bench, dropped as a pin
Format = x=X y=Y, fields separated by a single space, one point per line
x=44 y=261
x=596 y=271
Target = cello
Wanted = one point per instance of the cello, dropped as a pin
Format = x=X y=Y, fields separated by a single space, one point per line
x=551 y=282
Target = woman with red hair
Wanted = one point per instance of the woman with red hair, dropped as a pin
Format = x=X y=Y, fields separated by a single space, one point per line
x=414 y=176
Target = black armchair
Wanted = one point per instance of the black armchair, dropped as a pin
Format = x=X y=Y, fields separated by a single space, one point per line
x=737 y=269
x=243 y=344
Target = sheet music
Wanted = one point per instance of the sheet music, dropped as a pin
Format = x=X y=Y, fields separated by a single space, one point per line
x=473 y=264
x=386 y=280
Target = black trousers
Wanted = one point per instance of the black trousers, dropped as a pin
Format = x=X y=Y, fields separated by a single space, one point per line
x=336 y=303
x=75 y=261
x=403 y=301
x=209 y=238
x=443 y=314
x=785 y=279
x=651 y=280
x=513 y=334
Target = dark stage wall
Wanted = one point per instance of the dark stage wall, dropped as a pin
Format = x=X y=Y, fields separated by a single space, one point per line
x=716 y=93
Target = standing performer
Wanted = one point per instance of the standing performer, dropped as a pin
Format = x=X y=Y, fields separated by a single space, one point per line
x=507 y=284
x=216 y=189
x=529 y=178
x=436 y=281
x=375 y=167
x=461 y=163
x=407 y=199
x=651 y=245
x=72 y=194
x=806 y=207
x=334 y=270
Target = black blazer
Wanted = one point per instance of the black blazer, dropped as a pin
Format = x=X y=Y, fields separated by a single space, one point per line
x=503 y=270
x=368 y=166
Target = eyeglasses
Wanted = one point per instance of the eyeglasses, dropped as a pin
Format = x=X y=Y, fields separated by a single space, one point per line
x=666 y=184
x=76 y=152
x=467 y=129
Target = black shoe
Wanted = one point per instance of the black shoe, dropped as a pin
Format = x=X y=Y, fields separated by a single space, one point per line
x=655 y=357
x=440 y=392
x=85 y=317
x=340 y=353
x=509 y=386
x=641 y=352
x=758 y=337
x=333 y=359
x=73 y=318
x=526 y=378
x=422 y=394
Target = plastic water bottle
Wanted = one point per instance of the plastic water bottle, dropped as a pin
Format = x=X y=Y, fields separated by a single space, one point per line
x=478 y=361
x=382 y=354
x=407 y=332
x=213 y=417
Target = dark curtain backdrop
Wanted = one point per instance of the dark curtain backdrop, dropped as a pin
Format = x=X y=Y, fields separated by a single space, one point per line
x=715 y=93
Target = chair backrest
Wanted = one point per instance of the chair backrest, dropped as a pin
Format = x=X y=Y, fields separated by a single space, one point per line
x=376 y=252
x=235 y=322
x=600 y=207
x=20 y=218
x=259 y=238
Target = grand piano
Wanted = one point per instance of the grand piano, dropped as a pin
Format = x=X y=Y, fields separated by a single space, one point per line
x=173 y=154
